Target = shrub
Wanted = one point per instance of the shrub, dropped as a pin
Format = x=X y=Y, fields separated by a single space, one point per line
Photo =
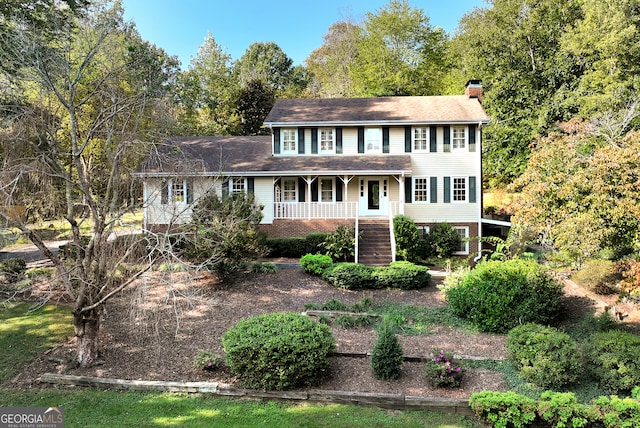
x=442 y=240
x=407 y=238
x=387 y=355
x=559 y=409
x=297 y=246
x=496 y=296
x=278 y=351
x=267 y=267
x=598 y=276
x=315 y=264
x=207 y=360
x=402 y=275
x=617 y=412
x=614 y=357
x=334 y=305
x=13 y=267
x=340 y=245
x=443 y=371
x=351 y=276
x=503 y=409
x=355 y=321
x=629 y=271
x=544 y=356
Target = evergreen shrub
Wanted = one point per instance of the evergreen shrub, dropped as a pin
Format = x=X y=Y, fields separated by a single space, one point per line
x=387 y=355
x=315 y=264
x=614 y=359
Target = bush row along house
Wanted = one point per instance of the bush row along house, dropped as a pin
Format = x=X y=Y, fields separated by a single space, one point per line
x=328 y=162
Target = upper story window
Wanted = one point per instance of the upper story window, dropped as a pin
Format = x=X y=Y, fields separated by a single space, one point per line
x=420 y=138
x=459 y=189
x=373 y=140
x=327 y=140
x=289 y=140
x=289 y=190
x=459 y=137
x=326 y=190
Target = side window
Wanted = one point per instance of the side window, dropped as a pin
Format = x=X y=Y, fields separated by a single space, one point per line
x=420 y=189
x=289 y=140
x=237 y=185
x=459 y=189
x=458 y=137
x=420 y=139
x=289 y=191
x=326 y=190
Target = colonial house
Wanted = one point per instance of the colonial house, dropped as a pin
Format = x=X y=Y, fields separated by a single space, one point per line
x=327 y=162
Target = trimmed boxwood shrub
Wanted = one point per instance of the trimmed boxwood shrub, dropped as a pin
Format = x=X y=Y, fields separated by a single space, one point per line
x=544 y=356
x=497 y=296
x=315 y=264
x=402 y=275
x=351 y=276
x=614 y=357
x=278 y=351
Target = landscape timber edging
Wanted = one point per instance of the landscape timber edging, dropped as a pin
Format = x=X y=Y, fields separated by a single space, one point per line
x=367 y=399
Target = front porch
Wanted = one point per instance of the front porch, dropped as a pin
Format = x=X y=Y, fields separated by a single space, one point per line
x=333 y=210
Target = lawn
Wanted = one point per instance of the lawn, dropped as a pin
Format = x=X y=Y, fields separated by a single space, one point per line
x=25 y=333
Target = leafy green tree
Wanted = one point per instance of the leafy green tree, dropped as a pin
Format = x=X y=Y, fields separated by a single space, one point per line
x=254 y=104
x=398 y=53
x=267 y=62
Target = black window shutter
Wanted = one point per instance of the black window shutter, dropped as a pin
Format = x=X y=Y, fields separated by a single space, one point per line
x=408 y=190
x=433 y=143
x=301 y=189
x=339 y=140
x=225 y=188
x=339 y=185
x=407 y=139
x=164 y=192
x=433 y=190
x=472 y=189
x=360 y=139
x=447 y=139
x=314 y=141
x=385 y=139
x=189 y=190
x=447 y=189
x=314 y=191
x=472 y=138
x=250 y=185
x=276 y=141
x=301 y=141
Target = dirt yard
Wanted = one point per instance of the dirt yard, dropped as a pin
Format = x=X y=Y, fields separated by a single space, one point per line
x=154 y=331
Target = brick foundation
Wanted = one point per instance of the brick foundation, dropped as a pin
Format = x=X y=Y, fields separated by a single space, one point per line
x=292 y=228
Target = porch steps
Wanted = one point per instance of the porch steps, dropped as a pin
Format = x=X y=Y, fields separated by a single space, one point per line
x=374 y=246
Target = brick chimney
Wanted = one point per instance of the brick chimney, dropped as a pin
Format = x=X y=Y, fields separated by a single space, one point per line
x=473 y=89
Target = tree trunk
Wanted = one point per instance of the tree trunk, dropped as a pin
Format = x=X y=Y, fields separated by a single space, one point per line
x=86 y=328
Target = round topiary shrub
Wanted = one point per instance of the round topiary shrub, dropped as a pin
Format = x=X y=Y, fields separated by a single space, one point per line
x=278 y=351
x=387 y=355
x=544 y=356
x=351 y=276
x=497 y=296
x=315 y=264
x=402 y=275
x=614 y=357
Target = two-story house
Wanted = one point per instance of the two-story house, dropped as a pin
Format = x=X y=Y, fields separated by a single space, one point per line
x=339 y=161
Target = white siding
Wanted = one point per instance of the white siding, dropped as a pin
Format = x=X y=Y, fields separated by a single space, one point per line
x=263 y=191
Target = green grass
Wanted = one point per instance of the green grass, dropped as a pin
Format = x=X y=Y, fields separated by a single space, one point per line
x=24 y=334
x=97 y=408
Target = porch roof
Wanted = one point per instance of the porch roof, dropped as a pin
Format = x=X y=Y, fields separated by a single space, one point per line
x=239 y=156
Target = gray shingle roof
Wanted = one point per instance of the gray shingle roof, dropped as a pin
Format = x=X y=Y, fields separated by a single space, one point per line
x=252 y=156
x=336 y=111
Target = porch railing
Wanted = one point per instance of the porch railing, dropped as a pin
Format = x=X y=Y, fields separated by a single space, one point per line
x=312 y=210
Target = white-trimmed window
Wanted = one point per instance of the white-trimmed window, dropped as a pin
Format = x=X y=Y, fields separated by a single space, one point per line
x=178 y=191
x=373 y=140
x=326 y=190
x=327 y=140
x=421 y=138
x=175 y=191
x=458 y=138
x=420 y=189
x=463 y=231
x=289 y=190
x=237 y=185
x=459 y=189
x=289 y=140
x=423 y=230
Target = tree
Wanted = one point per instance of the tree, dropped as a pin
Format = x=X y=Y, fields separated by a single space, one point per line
x=265 y=61
x=330 y=65
x=254 y=104
x=399 y=53
x=580 y=193
x=88 y=99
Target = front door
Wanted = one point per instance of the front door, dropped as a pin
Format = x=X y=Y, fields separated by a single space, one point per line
x=374 y=199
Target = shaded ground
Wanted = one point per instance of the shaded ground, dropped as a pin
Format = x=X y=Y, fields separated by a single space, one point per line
x=154 y=331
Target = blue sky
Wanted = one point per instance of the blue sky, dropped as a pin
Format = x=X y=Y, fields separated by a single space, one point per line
x=297 y=26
